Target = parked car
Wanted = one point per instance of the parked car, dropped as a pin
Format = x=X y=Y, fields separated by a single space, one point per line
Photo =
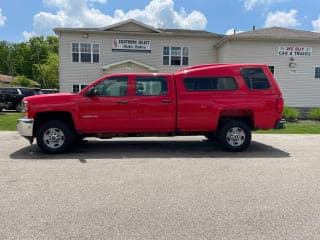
x=222 y=101
x=47 y=90
x=11 y=97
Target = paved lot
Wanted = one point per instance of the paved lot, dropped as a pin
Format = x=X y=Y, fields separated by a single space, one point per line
x=155 y=188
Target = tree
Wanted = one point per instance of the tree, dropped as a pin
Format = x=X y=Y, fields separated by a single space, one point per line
x=23 y=59
x=7 y=59
x=36 y=59
x=47 y=73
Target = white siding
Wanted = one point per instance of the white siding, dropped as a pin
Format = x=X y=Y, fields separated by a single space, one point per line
x=223 y=53
x=299 y=85
x=201 y=50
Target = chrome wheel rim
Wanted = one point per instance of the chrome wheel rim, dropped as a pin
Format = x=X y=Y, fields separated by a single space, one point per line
x=53 y=138
x=236 y=136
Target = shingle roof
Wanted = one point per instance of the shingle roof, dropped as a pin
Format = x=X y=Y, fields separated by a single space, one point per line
x=277 y=33
x=6 y=78
x=189 y=31
x=163 y=31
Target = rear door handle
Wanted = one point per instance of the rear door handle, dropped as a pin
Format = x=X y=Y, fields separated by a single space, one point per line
x=166 y=101
x=122 y=102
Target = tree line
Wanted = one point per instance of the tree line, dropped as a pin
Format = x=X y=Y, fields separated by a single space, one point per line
x=36 y=59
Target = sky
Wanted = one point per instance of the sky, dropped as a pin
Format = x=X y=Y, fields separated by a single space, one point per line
x=22 y=19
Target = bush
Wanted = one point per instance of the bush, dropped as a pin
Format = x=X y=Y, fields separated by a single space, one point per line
x=315 y=114
x=22 y=81
x=290 y=114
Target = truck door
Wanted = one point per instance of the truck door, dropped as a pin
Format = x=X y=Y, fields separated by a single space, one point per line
x=106 y=107
x=154 y=105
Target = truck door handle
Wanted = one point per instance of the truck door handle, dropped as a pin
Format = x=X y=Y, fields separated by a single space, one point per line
x=166 y=101
x=122 y=101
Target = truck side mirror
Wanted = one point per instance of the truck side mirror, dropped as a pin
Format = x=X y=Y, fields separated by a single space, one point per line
x=90 y=93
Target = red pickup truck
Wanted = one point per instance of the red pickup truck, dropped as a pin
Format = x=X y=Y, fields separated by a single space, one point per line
x=220 y=101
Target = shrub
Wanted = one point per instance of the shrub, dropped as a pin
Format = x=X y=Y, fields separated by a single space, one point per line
x=290 y=114
x=315 y=114
x=22 y=81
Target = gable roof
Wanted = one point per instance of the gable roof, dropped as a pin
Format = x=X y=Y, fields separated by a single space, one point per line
x=273 y=33
x=150 y=68
x=140 y=24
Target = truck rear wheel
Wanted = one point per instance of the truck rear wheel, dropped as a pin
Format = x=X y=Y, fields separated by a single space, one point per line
x=235 y=135
x=54 y=136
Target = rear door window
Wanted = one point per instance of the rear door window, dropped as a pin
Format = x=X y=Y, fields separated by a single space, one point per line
x=151 y=86
x=255 y=78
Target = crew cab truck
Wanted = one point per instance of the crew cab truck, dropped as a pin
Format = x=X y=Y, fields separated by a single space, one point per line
x=220 y=101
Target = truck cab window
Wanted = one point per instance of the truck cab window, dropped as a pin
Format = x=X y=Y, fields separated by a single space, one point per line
x=151 y=86
x=112 y=87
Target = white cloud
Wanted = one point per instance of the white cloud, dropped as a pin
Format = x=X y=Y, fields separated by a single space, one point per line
x=28 y=35
x=99 y=1
x=232 y=31
x=3 y=19
x=250 y=4
x=282 y=19
x=316 y=25
x=80 y=13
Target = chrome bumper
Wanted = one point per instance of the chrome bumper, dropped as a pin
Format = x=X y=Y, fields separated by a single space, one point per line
x=25 y=127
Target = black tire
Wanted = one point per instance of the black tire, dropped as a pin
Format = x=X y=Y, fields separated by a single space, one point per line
x=234 y=136
x=55 y=136
x=19 y=107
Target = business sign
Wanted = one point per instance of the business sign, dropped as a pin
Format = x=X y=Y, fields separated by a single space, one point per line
x=294 y=51
x=131 y=45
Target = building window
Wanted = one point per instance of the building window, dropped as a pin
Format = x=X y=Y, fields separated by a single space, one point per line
x=151 y=86
x=85 y=52
x=75 y=52
x=78 y=87
x=210 y=83
x=95 y=52
x=271 y=68
x=317 y=72
x=166 y=55
x=175 y=56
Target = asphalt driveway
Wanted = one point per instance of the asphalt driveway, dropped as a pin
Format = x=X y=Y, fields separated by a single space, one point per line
x=161 y=188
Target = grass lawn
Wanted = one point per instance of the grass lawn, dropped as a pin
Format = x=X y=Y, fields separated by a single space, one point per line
x=306 y=127
x=8 y=121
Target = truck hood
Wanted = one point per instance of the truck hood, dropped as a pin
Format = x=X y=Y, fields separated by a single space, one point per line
x=52 y=102
x=51 y=98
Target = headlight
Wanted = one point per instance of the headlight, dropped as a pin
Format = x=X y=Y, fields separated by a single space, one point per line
x=24 y=106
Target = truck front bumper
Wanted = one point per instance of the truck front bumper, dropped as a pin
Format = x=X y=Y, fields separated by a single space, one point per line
x=25 y=127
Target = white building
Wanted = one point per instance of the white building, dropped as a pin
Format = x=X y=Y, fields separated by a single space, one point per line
x=130 y=46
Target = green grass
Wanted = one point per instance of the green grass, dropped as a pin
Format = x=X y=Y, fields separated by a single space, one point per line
x=8 y=121
x=296 y=128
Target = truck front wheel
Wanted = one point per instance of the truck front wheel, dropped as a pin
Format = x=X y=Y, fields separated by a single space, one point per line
x=54 y=136
x=235 y=135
